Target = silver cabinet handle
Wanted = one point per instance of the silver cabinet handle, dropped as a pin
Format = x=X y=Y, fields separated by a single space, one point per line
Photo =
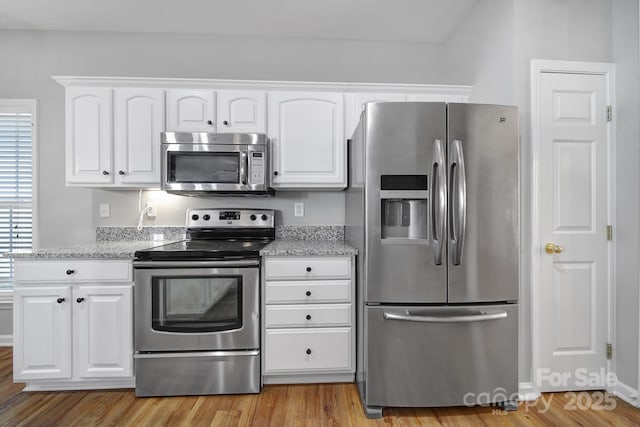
x=457 y=201
x=479 y=317
x=438 y=200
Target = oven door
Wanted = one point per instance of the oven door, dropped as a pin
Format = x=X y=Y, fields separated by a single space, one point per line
x=200 y=305
x=189 y=168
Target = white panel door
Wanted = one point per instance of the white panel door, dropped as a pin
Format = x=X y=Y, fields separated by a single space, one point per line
x=191 y=110
x=307 y=137
x=42 y=333
x=138 y=121
x=88 y=125
x=242 y=111
x=104 y=325
x=574 y=170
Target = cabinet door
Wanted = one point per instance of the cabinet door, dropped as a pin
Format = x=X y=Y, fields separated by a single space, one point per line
x=191 y=110
x=354 y=106
x=139 y=119
x=307 y=137
x=42 y=333
x=103 y=331
x=242 y=111
x=88 y=125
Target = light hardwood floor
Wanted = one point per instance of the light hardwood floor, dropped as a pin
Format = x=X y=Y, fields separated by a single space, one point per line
x=276 y=405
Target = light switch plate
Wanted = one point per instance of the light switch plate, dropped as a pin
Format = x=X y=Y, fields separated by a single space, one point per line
x=298 y=209
x=104 y=210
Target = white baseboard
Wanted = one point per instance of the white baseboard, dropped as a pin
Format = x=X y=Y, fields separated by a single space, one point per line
x=80 y=385
x=526 y=392
x=308 y=379
x=6 y=340
x=626 y=393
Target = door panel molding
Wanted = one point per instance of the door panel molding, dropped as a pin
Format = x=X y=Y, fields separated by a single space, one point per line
x=538 y=69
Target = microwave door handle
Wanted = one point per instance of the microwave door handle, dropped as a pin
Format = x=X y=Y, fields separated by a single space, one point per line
x=244 y=167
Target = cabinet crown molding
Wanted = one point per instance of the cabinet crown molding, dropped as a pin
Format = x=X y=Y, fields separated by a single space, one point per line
x=217 y=84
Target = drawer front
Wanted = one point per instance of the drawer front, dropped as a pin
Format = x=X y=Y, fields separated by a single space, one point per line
x=311 y=315
x=308 y=268
x=308 y=291
x=308 y=350
x=73 y=270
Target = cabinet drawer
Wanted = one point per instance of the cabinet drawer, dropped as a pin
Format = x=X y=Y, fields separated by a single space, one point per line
x=308 y=291
x=311 y=315
x=308 y=268
x=73 y=270
x=321 y=349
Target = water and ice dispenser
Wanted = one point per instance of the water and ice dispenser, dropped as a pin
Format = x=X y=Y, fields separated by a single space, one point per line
x=404 y=211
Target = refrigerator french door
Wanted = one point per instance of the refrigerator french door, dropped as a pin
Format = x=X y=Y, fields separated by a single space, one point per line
x=433 y=209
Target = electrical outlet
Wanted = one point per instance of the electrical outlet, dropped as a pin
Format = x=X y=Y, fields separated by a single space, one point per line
x=298 y=209
x=152 y=209
x=104 y=210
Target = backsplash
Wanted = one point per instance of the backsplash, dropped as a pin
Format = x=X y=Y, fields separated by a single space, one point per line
x=114 y=234
x=310 y=232
x=283 y=232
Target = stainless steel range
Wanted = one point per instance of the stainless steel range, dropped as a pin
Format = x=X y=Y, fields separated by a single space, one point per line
x=197 y=317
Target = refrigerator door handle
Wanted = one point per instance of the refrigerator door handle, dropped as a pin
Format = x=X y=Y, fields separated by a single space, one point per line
x=438 y=200
x=457 y=201
x=443 y=318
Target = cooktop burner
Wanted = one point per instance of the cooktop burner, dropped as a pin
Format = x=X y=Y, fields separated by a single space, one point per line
x=218 y=233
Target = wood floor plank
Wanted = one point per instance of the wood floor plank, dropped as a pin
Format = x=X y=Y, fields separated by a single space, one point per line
x=311 y=405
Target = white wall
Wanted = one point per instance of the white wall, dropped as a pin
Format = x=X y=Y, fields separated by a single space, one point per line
x=69 y=215
x=625 y=55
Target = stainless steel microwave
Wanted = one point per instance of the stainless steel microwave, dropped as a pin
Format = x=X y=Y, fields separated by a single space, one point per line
x=216 y=163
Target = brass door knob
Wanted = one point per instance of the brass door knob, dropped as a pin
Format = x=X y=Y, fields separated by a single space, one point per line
x=552 y=248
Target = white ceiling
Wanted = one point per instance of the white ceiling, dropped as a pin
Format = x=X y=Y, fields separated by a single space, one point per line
x=378 y=20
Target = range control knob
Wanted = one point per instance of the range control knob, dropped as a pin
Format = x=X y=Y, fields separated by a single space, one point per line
x=195 y=217
x=264 y=217
x=206 y=217
x=253 y=217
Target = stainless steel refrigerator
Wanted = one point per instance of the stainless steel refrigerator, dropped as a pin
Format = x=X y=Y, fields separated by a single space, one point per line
x=432 y=207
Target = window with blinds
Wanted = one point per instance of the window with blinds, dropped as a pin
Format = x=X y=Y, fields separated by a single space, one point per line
x=16 y=183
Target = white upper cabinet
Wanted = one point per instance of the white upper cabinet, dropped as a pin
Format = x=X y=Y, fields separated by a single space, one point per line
x=88 y=125
x=306 y=130
x=242 y=111
x=191 y=110
x=139 y=119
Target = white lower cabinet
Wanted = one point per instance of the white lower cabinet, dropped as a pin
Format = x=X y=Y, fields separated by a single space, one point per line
x=77 y=330
x=308 y=319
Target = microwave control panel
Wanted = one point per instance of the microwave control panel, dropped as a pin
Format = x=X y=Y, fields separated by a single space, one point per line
x=256 y=168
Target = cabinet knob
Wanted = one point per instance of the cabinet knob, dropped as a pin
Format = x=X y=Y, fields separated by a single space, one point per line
x=226 y=123
x=120 y=172
x=79 y=300
x=105 y=172
x=308 y=269
x=70 y=272
x=308 y=293
x=60 y=300
x=209 y=122
x=275 y=173
x=308 y=317
x=308 y=351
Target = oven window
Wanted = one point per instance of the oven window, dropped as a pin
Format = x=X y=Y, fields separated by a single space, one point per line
x=201 y=167
x=196 y=304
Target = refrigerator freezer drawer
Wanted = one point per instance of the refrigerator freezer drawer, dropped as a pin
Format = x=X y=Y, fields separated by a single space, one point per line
x=309 y=350
x=441 y=356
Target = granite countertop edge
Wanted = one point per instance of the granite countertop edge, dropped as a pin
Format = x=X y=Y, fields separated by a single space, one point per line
x=127 y=249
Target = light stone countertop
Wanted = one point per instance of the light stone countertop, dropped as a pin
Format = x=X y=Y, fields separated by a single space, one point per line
x=95 y=250
x=308 y=248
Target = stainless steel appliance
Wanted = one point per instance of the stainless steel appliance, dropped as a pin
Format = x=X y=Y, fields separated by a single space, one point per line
x=197 y=309
x=432 y=207
x=216 y=163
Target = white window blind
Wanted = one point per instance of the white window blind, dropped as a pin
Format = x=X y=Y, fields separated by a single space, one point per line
x=16 y=186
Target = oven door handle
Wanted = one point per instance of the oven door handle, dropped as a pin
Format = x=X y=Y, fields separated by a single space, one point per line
x=191 y=264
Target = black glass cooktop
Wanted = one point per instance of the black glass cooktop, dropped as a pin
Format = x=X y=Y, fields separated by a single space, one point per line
x=203 y=249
